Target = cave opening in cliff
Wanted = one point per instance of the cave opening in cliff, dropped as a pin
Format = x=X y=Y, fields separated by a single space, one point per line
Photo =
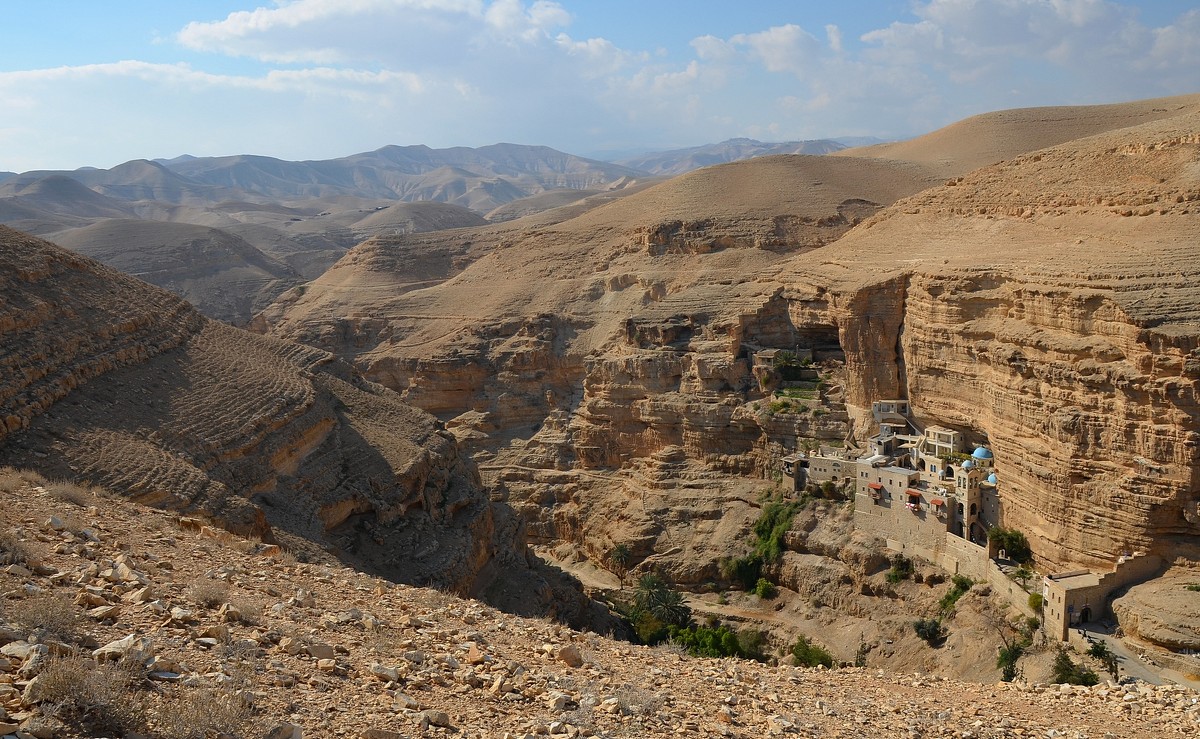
x=822 y=340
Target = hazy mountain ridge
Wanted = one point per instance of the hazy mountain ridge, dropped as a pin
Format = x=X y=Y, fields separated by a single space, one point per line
x=679 y=161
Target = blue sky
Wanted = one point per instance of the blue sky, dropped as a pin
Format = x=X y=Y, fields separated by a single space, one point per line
x=84 y=83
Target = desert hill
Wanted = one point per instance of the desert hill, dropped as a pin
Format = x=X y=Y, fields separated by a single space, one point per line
x=554 y=206
x=302 y=214
x=405 y=218
x=993 y=137
x=678 y=161
x=599 y=367
x=110 y=381
x=222 y=275
x=136 y=180
x=48 y=203
x=236 y=637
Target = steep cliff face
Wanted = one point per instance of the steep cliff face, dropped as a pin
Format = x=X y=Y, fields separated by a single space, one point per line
x=1048 y=306
x=1092 y=417
x=113 y=382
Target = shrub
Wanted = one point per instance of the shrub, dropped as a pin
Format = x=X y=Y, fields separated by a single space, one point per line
x=49 y=616
x=902 y=569
x=931 y=630
x=93 y=698
x=810 y=655
x=12 y=550
x=1066 y=671
x=703 y=641
x=68 y=492
x=751 y=643
x=771 y=528
x=198 y=714
x=1193 y=587
x=959 y=585
x=1013 y=542
x=765 y=589
x=249 y=612
x=209 y=593
x=745 y=570
x=1007 y=661
x=1035 y=602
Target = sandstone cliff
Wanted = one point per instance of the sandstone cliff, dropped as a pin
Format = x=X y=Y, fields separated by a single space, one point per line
x=1047 y=304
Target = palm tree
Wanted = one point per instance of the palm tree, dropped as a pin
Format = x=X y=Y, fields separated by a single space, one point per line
x=618 y=560
x=656 y=598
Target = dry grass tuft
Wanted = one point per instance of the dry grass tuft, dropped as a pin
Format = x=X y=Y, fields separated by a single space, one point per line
x=202 y=713
x=13 y=551
x=12 y=479
x=249 y=612
x=65 y=491
x=48 y=615
x=93 y=698
x=209 y=593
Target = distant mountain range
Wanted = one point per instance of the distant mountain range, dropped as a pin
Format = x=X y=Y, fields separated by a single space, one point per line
x=234 y=231
x=678 y=161
x=480 y=179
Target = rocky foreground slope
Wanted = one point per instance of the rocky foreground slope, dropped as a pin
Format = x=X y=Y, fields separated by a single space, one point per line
x=107 y=380
x=117 y=619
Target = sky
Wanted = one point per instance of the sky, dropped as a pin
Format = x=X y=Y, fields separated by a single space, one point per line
x=85 y=83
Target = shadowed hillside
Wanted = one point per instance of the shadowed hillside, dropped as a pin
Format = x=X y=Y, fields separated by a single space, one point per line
x=222 y=275
x=114 y=382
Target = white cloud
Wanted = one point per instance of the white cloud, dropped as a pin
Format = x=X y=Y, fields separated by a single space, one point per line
x=339 y=76
x=411 y=33
x=782 y=48
x=834 y=36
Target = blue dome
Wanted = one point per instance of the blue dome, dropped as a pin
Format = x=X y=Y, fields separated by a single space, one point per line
x=992 y=478
x=982 y=452
x=968 y=465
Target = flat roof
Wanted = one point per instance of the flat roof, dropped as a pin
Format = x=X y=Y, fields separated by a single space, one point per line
x=1075 y=580
x=897 y=470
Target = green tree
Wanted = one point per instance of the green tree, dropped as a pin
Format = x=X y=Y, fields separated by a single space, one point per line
x=1066 y=671
x=1023 y=573
x=902 y=569
x=1013 y=542
x=811 y=655
x=1107 y=657
x=659 y=600
x=1006 y=660
x=618 y=559
x=931 y=630
x=959 y=585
